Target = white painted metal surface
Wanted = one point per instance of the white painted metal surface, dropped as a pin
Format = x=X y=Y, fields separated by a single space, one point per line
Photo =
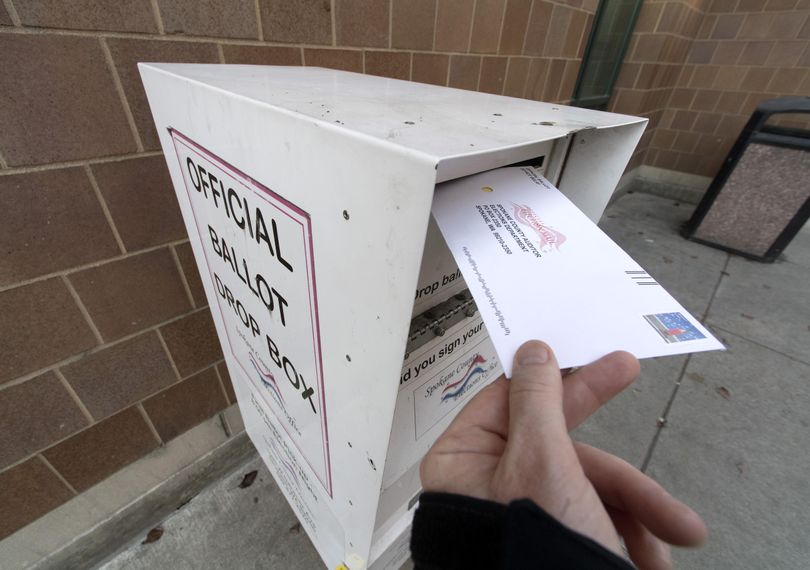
x=340 y=168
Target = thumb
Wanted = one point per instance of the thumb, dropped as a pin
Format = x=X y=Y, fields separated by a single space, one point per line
x=536 y=396
x=539 y=460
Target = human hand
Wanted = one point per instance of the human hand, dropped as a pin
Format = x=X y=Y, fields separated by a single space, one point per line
x=511 y=442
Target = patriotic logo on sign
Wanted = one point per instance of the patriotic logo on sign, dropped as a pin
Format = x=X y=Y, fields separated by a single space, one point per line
x=456 y=389
x=267 y=379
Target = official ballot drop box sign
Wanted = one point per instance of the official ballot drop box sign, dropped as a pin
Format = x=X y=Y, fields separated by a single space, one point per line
x=346 y=326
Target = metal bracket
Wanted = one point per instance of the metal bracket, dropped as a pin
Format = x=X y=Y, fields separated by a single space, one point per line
x=436 y=320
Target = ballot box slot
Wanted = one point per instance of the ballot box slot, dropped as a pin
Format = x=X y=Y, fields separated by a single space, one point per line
x=536 y=162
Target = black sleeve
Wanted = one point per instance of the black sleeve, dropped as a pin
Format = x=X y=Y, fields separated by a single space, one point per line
x=453 y=531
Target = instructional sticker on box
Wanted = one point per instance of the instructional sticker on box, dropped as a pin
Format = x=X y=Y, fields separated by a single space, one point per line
x=475 y=366
x=259 y=260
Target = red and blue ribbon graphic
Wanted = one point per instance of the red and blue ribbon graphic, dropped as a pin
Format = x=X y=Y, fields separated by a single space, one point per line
x=450 y=391
x=267 y=378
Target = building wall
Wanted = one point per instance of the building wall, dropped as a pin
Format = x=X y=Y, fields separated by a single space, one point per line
x=107 y=347
x=698 y=68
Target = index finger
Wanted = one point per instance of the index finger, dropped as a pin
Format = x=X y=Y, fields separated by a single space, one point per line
x=623 y=487
x=590 y=387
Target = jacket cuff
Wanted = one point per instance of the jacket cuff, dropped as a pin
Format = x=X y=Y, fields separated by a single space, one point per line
x=455 y=531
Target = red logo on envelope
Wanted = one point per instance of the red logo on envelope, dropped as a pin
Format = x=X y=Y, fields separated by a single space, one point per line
x=550 y=239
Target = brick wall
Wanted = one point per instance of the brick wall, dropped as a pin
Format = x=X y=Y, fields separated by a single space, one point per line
x=107 y=346
x=698 y=68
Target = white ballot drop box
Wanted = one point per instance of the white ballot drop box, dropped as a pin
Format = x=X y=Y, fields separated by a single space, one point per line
x=349 y=334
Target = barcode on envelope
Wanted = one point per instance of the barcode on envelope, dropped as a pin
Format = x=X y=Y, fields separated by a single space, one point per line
x=641 y=278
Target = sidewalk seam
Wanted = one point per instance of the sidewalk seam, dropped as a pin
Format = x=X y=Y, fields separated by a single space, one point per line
x=665 y=414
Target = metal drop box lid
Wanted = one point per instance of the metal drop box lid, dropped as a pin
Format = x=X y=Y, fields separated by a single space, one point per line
x=306 y=194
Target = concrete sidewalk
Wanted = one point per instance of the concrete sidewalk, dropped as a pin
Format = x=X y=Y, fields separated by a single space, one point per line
x=725 y=431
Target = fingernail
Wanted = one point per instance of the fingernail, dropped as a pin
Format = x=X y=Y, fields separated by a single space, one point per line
x=534 y=353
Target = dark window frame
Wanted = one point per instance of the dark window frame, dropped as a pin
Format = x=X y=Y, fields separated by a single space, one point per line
x=601 y=101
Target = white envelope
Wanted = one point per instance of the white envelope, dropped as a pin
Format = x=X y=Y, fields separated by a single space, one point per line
x=538 y=268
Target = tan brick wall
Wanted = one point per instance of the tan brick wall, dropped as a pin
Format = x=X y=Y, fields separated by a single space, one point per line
x=728 y=55
x=107 y=347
